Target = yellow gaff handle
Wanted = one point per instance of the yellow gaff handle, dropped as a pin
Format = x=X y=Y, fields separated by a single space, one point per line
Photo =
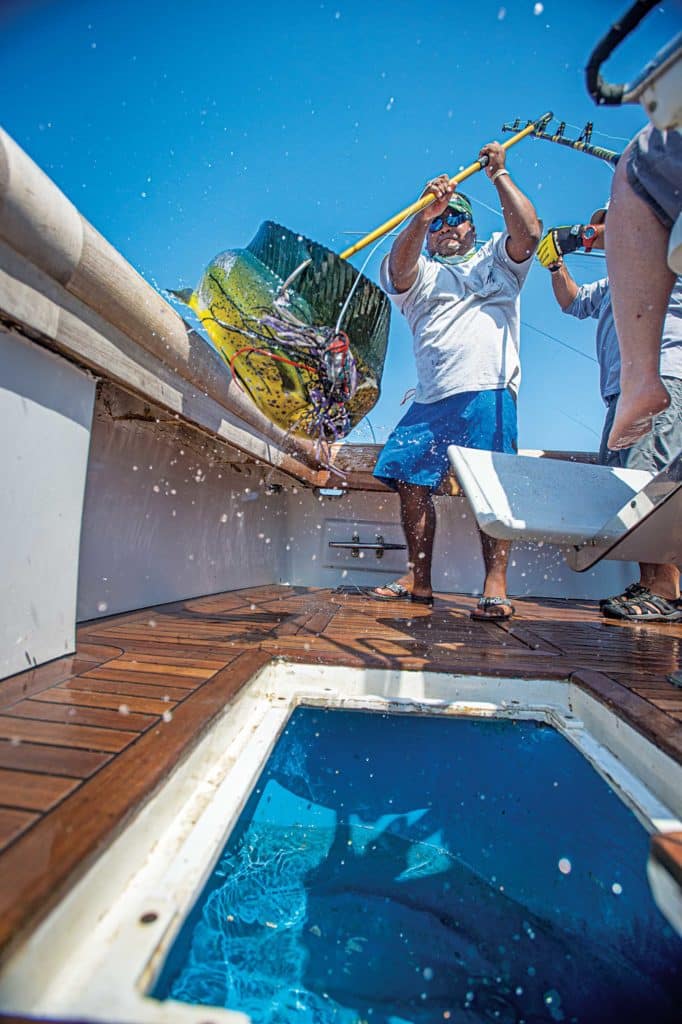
x=427 y=200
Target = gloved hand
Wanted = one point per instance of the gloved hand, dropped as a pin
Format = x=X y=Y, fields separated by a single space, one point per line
x=559 y=241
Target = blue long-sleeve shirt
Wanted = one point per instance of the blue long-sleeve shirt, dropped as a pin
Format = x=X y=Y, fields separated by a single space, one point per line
x=594 y=300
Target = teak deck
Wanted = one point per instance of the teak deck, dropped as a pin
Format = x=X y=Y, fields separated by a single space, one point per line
x=86 y=738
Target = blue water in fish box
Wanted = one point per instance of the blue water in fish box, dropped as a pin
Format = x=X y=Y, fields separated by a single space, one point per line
x=400 y=869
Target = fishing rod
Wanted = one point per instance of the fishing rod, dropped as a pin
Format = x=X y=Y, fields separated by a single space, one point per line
x=583 y=143
x=420 y=204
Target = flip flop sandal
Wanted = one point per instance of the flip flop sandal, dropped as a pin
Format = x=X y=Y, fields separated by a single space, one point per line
x=634 y=590
x=399 y=593
x=651 y=608
x=496 y=604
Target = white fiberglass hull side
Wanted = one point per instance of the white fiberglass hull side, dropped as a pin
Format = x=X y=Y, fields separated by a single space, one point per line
x=45 y=415
x=165 y=518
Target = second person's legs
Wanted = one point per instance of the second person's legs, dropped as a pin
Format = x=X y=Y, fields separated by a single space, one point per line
x=641 y=283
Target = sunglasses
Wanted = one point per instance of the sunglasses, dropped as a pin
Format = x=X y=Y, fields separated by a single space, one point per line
x=452 y=220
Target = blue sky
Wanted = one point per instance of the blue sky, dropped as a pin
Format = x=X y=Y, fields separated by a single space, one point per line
x=178 y=128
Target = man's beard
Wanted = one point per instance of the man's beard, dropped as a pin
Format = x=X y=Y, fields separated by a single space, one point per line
x=454 y=247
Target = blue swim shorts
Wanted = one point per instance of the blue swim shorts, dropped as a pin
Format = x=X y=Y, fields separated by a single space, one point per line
x=416 y=451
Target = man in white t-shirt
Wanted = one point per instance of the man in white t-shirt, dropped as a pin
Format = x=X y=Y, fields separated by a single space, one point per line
x=463 y=309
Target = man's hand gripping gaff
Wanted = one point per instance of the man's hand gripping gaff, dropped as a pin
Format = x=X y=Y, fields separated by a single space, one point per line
x=560 y=241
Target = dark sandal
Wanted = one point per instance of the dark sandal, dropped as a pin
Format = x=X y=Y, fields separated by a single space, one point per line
x=647 y=607
x=633 y=591
x=497 y=606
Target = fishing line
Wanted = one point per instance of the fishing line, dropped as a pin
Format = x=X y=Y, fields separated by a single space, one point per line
x=371 y=430
x=605 y=135
x=382 y=241
x=356 y=282
x=282 y=290
x=579 y=422
x=559 y=341
x=491 y=208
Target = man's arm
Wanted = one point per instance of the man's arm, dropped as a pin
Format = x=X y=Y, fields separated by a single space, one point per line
x=580 y=301
x=405 y=251
x=553 y=245
x=564 y=287
x=519 y=213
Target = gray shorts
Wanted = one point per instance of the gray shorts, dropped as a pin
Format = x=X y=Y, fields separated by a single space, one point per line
x=654 y=169
x=655 y=450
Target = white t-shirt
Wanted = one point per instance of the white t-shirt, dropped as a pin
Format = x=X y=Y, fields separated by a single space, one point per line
x=464 y=321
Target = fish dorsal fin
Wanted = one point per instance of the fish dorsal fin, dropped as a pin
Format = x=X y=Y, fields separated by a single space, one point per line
x=184 y=294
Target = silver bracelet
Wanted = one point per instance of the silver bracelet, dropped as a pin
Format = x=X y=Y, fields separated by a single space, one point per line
x=498 y=174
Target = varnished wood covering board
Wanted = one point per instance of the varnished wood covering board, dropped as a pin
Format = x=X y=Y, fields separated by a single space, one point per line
x=667 y=850
x=13 y=1019
x=74 y=830
x=84 y=741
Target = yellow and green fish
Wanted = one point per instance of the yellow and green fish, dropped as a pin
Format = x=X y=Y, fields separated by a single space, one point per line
x=302 y=332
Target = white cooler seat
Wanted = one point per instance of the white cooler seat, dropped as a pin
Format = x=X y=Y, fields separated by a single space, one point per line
x=600 y=512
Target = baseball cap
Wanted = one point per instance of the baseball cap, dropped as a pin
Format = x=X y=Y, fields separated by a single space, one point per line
x=599 y=216
x=460 y=203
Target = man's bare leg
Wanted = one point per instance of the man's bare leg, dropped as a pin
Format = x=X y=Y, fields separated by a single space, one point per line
x=663 y=580
x=496 y=559
x=418 y=517
x=641 y=283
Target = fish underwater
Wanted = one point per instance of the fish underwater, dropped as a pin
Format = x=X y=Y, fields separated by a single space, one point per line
x=300 y=927
x=302 y=331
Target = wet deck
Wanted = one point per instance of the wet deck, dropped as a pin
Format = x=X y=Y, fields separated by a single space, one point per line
x=86 y=738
